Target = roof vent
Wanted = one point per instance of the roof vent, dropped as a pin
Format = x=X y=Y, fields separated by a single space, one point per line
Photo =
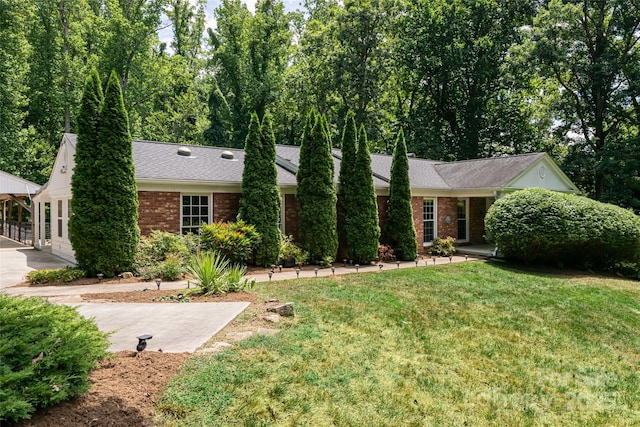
x=226 y=154
x=184 y=151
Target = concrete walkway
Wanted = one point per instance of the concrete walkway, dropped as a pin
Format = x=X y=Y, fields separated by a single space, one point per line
x=16 y=260
x=179 y=327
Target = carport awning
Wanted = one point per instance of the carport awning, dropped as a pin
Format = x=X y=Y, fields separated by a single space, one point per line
x=12 y=186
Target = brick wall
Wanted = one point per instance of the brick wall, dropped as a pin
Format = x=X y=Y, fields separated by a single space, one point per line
x=291 y=216
x=225 y=206
x=417 y=206
x=447 y=206
x=158 y=210
x=477 y=212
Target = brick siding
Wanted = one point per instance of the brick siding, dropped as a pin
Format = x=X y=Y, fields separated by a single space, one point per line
x=158 y=210
x=291 y=216
x=447 y=206
x=226 y=206
x=417 y=206
x=477 y=212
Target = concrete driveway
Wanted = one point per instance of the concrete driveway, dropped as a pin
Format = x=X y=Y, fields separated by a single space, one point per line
x=176 y=328
x=16 y=260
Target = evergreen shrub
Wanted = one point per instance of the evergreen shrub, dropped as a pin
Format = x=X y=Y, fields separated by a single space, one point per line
x=47 y=352
x=236 y=241
x=162 y=254
x=537 y=225
x=59 y=275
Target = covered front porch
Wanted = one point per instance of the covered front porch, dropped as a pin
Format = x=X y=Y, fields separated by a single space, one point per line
x=16 y=207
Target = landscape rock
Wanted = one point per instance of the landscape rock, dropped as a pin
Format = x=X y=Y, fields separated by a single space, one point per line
x=127 y=275
x=272 y=318
x=239 y=336
x=285 y=310
x=217 y=347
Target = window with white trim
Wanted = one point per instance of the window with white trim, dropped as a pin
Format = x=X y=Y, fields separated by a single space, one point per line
x=429 y=219
x=463 y=233
x=59 y=218
x=195 y=211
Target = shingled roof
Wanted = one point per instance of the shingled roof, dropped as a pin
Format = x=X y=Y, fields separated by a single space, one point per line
x=161 y=162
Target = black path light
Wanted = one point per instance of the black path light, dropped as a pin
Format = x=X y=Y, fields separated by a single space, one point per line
x=298 y=272
x=280 y=268
x=315 y=270
x=270 y=274
x=380 y=266
x=434 y=261
x=344 y=261
x=100 y=277
x=416 y=261
x=142 y=341
x=357 y=267
x=398 y=264
x=450 y=258
x=333 y=270
x=158 y=282
x=466 y=257
x=273 y=267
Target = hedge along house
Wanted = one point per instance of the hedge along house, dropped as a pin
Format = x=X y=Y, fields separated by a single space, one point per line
x=180 y=187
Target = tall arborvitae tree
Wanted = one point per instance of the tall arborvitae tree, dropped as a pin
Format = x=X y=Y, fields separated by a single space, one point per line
x=260 y=203
x=400 y=231
x=345 y=185
x=83 y=224
x=316 y=192
x=117 y=196
x=361 y=217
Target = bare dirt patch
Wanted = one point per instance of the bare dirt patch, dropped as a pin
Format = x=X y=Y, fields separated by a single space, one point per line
x=167 y=296
x=123 y=393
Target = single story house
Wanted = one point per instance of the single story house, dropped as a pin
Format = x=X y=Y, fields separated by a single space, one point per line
x=179 y=187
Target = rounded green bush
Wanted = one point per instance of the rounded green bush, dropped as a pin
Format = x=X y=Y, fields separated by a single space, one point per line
x=46 y=353
x=537 y=225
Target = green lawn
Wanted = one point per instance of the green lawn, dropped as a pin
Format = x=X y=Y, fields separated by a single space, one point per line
x=459 y=344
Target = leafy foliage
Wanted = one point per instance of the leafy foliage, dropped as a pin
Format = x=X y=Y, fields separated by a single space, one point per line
x=316 y=192
x=47 y=353
x=443 y=246
x=361 y=229
x=538 y=225
x=400 y=231
x=235 y=240
x=163 y=254
x=216 y=275
x=260 y=203
x=59 y=275
x=83 y=225
x=116 y=233
x=289 y=250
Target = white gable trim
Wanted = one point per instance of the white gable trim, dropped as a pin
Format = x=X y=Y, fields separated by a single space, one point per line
x=543 y=173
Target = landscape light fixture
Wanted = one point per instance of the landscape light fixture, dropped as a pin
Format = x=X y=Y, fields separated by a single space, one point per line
x=119 y=277
x=158 y=281
x=298 y=272
x=100 y=277
x=450 y=259
x=142 y=341
x=434 y=261
x=315 y=270
x=270 y=274
x=416 y=261
x=344 y=261
x=398 y=264
x=466 y=257
x=321 y=263
x=333 y=270
x=357 y=267
x=380 y=266
x=280 y=268
x=273 y=267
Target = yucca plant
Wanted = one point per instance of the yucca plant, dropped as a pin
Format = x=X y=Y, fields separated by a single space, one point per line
x=209 y=269
x=236 y=282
